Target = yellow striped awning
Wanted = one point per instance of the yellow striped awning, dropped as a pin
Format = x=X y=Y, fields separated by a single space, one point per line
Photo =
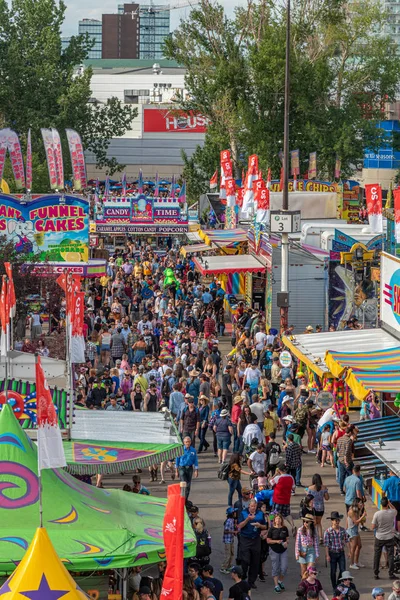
x=362 y=382
x=386 y=359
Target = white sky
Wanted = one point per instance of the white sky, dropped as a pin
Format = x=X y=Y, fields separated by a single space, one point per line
x=93 y=9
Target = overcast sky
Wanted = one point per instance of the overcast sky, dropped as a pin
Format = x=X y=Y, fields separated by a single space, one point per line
x=93 y=9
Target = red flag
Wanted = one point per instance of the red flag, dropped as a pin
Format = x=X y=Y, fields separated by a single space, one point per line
x=396 y=204
x=50 y=446
x=282 y=179
x=239 y=196
x=73 y=285
x=11 y=289
x=214 y=180
x=3 y=317
x=62 y=281
x=373 y=194
x=173 y=528
x=263 y=199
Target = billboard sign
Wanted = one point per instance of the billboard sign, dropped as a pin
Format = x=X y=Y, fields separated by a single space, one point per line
x=390 y=291
x=141 y=215
x=156 y=120
x=54 y=227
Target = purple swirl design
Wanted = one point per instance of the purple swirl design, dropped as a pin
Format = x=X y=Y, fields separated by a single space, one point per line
x=30 y=479
x=88 y=491
x=154 y=532
x=140 y=556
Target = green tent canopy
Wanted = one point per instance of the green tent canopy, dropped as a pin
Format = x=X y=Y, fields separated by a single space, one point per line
x=91 y=528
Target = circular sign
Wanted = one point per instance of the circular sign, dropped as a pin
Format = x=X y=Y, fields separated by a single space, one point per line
x=325 y=399
x=285 y=358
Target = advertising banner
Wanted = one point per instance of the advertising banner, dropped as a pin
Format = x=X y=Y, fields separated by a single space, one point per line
x=295 y=162
x=58 y=158
x=157 y=120
x=141 y=209
x=390 y=291
x=53 y=230
x=77 y=159
x=17 y=162
x=3 y=151
x=131 y=228
x=28 y=162
x=305 y=185
x=312 y=165
x=47 y=136
x=373 y=195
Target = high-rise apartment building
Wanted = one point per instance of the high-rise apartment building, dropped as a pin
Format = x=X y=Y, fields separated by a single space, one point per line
x=392 y=28
x=121 y=33
x=93 y=27
x=154 y=29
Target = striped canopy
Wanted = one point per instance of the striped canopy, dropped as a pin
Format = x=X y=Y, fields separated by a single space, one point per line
x=388 y=360
x=223 y=236
x=362 y=382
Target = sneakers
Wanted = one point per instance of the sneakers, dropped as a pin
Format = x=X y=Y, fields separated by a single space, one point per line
x=225 y=571
x=354 y=566
x=280 y=583
x=277 y=589
x=360 y=566
x=262 y=579
x=161 y=482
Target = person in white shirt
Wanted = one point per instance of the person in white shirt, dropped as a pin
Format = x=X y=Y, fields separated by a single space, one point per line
x=257 y=408
x=252 y=431
x=260 y=339
x=258 y=460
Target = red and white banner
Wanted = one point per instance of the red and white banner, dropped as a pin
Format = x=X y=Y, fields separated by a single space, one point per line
x=173 y=530
x=4 y=318
x=58 y=158
x=214 y=180
x=77 y=352
x=261 y=201
x=230 y=192
x=225 y=156
x=11 y=290
x=77 y=159
x=29 y=162
x=226 y=163
x=240 y=196
x=47 y=136
x=17 y=162
x=373 y=194
x=157 y=120
x=50 y=446
x=3 y=150
x=396 y=204
x=252 y=175
x=269 y=179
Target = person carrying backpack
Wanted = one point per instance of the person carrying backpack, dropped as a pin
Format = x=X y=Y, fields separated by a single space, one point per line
x=273 y=452
x=203 y=542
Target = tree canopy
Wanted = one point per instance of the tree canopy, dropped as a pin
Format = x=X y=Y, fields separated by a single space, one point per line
x=40 y=85
x=343 y=71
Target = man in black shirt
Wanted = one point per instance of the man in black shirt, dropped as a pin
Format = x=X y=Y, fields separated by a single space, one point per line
x=241 y=588
x=227 y=387
x=207 y=575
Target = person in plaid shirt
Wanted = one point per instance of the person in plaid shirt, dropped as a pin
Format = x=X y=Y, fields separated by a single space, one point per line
x=228 y=539
x=293 y=458
x=335 y=540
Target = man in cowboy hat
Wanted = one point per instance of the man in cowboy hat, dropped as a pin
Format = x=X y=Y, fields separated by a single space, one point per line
x=335 y=542
x=309 y=329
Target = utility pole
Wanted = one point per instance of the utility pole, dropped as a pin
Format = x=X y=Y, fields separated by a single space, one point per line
x=284 y=297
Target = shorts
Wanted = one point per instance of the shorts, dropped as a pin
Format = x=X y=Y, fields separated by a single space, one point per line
x=282 y=509
x=310 y=557
x=223 y=444
x=105 y=348
x=326 y=447
x=319 y=513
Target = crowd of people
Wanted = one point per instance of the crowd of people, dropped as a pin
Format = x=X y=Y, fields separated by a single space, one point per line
x=153 y=333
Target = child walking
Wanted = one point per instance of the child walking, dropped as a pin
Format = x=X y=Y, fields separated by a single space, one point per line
x=326 y=446
x=229 y=540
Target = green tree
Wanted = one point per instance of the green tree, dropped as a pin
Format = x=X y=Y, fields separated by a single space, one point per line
x=40 y=86
x=343 y=70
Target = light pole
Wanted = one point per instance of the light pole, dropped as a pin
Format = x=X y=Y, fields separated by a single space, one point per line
x=284 y=303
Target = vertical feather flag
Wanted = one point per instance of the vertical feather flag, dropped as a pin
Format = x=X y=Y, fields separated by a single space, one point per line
x=17 y=162
x=396 y=204
x=140 y=182
x=58 y=158
x=50 y=446
x=157 y=186
x=182 y=193
x=107 y=187
x=11 y=289
x=4 y=317
x=214 y=180
x=28 y=183
x=373 y=194
x=123 y=181
x=173 y=531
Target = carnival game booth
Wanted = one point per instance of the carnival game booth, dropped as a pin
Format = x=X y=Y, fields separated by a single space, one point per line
x=107 y=443
x=235 y=274
x=53 y=228
x=90 y=528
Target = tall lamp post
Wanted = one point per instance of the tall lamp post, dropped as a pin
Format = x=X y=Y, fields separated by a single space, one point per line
x=284 y=298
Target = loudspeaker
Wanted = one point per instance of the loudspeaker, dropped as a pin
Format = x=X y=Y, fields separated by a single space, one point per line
x=282 y=299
